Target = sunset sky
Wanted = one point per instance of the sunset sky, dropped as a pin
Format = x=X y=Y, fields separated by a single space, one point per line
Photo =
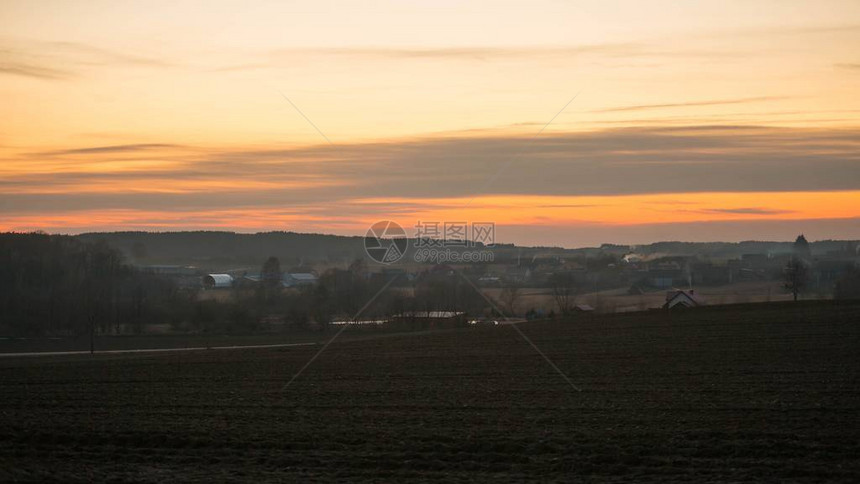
x=565 y=123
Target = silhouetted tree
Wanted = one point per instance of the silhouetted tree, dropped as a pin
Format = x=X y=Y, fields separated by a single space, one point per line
x=801 y=248
x=796 y=276
x=270 y=287
x=563 y=291
x=270 y=274
x=509 y=297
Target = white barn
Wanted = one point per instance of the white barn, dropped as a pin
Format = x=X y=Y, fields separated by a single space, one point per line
x=217 y=281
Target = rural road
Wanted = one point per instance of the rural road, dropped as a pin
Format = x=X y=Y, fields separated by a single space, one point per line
x=151 y=350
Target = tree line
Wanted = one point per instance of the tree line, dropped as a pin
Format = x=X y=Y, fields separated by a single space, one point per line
x=62 y=285
x=57 y=284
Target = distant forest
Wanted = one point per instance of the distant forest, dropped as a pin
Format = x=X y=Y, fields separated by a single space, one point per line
x=95 y=283
x=225 y=249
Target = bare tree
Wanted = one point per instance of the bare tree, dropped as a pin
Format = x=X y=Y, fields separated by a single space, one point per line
x=509 y=297
x=796 y=275
x=271 y=277
x=564 y=292
x=271 y=274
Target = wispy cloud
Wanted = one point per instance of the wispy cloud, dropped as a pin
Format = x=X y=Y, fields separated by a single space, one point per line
x=128 y=148
x=33 y=71
x=654 y=48
x=64 y=60
x=85 y=54
x=746 y=211
x=616 y=51
x=607 y=162
x=714 y=102
x=786 y=30
x=849 y=66
x=476 y=53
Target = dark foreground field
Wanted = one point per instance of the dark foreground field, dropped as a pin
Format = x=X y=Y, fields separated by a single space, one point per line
x=745 y=393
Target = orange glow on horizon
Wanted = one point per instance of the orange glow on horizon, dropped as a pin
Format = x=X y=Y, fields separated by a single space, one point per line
x=636 y=209
x=560 y=211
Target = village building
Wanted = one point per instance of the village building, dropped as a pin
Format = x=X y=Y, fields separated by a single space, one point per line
x=298 y=279
x=217 y=281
